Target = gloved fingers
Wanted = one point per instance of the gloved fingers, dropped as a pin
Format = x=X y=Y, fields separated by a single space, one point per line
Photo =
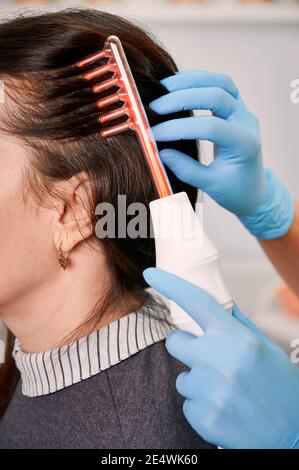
x=219 y=131
x=203 y=379
x=199 y=415
x=182 y=346
x=182 y=385
x=187 y=385
x=201 y=355
x=198 y=79
x=195 y=301
x=249 y=324
x=213 y=99
x=187 y=169
x=245 y=321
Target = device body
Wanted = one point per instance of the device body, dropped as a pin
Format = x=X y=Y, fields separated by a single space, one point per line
x=184 y=249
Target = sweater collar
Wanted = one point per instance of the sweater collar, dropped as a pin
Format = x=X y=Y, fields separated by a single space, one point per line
x=46 y=372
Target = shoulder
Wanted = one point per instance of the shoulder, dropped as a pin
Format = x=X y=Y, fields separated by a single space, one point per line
x=155 y=360
x=147 y=403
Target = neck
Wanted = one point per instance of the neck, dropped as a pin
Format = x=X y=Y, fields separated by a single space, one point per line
x=45 y=317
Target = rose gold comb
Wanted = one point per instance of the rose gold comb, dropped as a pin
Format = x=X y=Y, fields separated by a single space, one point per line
x=132 y=107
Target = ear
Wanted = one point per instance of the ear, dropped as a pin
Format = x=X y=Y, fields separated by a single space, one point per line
x=73 y=222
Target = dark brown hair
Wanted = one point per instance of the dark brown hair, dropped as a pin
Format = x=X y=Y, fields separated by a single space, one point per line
x=52 y=112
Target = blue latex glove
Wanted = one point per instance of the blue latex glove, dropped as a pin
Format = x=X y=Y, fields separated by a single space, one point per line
x=236 y=179
x=242 y=390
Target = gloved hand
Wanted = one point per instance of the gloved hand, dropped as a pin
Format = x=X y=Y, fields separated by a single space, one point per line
x=242 y=390
x=236 y=179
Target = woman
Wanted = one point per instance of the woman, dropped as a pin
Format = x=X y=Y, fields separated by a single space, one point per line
x=89 y=366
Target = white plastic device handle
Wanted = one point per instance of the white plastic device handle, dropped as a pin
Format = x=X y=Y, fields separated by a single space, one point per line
x=183 y=248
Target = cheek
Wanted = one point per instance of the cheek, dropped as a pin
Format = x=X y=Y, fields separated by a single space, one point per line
x=27 y=250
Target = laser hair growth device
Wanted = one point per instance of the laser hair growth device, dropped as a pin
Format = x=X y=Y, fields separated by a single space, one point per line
x=182 y=247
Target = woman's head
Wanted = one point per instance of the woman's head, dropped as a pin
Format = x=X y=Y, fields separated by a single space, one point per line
x=54 y=166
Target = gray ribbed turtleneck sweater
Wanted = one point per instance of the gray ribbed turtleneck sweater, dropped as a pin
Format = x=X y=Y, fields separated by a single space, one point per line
x=112 y=389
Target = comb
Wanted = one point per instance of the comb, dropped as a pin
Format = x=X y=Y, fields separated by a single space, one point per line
x=189 y=254
x=131 y=108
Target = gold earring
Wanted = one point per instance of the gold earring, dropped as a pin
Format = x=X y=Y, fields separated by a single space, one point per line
x=63 y=260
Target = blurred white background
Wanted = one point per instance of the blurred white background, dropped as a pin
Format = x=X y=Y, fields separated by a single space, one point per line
x=258 y=45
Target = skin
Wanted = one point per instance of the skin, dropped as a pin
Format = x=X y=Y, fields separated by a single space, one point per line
x=39 y=301
x=284 y=253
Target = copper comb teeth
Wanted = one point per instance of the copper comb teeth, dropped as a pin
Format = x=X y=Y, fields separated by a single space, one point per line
x=115 y=81
x=132 y=106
